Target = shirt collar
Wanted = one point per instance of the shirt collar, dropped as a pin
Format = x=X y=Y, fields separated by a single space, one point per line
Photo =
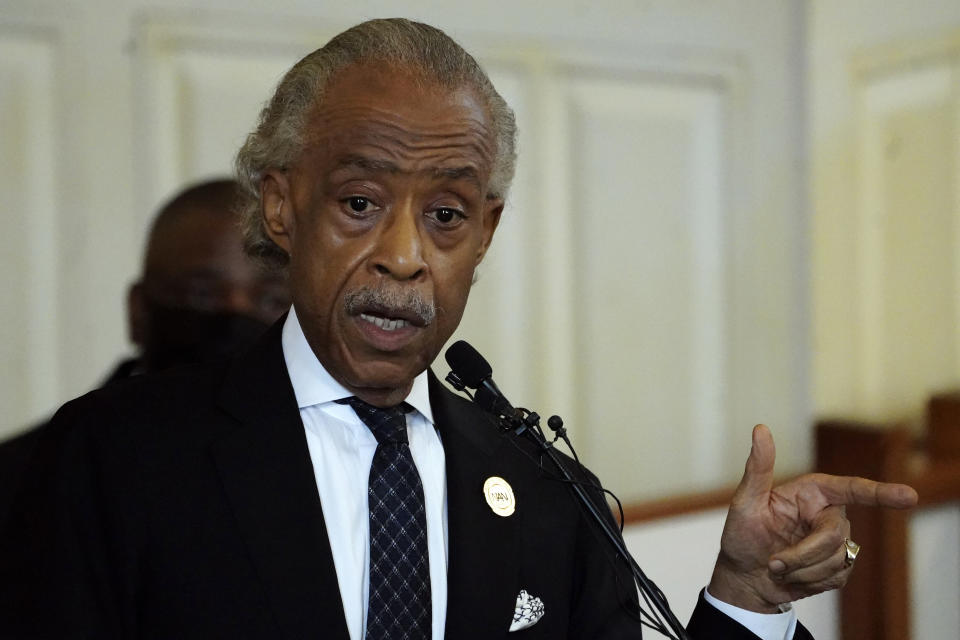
x=313 y=385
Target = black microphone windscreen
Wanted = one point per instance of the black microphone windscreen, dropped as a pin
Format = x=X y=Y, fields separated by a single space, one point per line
x=471 y=367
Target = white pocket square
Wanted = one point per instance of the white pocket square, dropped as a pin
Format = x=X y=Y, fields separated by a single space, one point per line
x=529 y=610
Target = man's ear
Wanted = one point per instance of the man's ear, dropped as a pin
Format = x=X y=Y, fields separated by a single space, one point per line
x=277 y=208
x=491 y=218
x=137 y=316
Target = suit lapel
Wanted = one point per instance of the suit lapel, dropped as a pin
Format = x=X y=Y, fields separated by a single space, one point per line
x=483 y=576
x=269 y=481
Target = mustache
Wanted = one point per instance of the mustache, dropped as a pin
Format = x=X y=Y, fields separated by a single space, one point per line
x=396 y=302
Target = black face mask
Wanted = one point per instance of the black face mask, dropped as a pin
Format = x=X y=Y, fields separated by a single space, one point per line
x=178 y=336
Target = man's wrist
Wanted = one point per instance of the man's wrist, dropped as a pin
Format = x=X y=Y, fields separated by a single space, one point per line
x=765 y=626
x=735 y=588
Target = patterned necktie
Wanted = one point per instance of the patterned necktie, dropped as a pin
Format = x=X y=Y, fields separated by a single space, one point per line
x=400 y=604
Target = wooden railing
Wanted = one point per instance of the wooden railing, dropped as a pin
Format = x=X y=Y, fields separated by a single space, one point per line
x=875 y=603
x=650 y=510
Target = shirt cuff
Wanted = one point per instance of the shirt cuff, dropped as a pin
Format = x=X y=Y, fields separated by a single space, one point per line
x=766 y=626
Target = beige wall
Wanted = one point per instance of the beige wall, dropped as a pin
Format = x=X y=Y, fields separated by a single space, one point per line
x=664 y=277
x=884 y=113
x=659 y=264
x=648 y=282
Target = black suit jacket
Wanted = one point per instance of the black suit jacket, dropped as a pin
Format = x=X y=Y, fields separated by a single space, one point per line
x=184 y=505
x=15 y=453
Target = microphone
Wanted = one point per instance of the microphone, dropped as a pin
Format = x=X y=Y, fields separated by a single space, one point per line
x=470 y=369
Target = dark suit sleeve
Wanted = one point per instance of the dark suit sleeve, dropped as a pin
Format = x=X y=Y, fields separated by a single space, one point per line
x=54 y=581
x=708 y=622
x=15 y=455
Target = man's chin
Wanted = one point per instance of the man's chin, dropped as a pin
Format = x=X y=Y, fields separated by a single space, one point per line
x=382 y=380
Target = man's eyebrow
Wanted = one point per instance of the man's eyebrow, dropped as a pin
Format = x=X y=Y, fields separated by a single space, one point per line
x=459 y=173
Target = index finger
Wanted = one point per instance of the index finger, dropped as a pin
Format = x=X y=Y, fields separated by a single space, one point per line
x=843 y=490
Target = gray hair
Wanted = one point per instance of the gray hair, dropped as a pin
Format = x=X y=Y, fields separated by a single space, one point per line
x=281 y=136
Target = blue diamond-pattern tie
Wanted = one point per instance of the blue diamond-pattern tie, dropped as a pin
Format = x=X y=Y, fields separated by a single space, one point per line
x=399 y=607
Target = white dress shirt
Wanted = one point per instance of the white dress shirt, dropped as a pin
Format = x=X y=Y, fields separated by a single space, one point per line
x=341 y=449
x=766 y=626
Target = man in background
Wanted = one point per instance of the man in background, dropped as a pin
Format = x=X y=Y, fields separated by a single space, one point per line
x=199 y=298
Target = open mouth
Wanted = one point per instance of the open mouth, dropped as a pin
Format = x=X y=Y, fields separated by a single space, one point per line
x=387 y=331
x=389 y=319
x=387 y=324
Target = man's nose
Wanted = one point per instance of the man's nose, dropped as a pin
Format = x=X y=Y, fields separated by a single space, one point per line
x=399 y=250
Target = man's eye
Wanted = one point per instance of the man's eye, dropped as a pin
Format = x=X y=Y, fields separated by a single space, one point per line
x=446 y=215
x=358 y=204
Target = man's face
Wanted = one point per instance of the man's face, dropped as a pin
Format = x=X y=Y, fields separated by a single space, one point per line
x=385 y=218
x=201 y=297
x=197 y=262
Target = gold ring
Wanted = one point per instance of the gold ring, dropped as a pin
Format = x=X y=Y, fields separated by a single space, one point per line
x=852 y=549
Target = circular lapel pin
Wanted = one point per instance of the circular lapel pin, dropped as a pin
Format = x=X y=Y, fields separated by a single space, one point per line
x=499 y=495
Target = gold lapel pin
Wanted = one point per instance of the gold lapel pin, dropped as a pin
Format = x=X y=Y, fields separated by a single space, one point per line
x=499 y=495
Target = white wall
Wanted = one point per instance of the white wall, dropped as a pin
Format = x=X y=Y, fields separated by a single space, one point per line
x=884 y=115
x=647 y=282
x=884 y=157
x=934 y=561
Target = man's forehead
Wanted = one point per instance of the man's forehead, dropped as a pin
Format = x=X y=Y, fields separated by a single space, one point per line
x=366 y=100
x=201 y=234
x=415 y=122
x=193 y=224
x=451 y=168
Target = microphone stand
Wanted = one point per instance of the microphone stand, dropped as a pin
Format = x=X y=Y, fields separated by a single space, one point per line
x=528 y=425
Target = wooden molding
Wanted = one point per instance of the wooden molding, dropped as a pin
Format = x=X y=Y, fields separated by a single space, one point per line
x=676 y=505
x=683 y=504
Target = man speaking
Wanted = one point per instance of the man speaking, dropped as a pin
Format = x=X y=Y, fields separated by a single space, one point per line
x=325 y=484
